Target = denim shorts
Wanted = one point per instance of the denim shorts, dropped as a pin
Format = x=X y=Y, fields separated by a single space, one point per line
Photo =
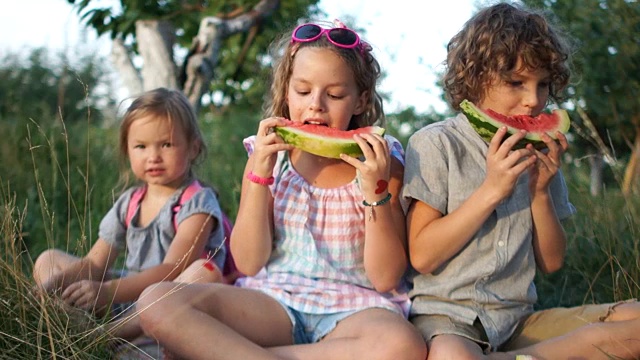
x=310 y=328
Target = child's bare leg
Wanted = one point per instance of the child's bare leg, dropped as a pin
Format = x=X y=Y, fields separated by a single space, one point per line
x=616 y=338
x=127 y=326
x=368 y=334
x=450 y=347
x=50 y=263
x=200 y=321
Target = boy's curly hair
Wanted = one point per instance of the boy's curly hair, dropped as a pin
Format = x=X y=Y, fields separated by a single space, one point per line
x=365 y=67
x=491 y=43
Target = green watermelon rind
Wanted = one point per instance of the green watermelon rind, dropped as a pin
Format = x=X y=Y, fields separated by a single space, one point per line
x=486 y=126
x=323 y=145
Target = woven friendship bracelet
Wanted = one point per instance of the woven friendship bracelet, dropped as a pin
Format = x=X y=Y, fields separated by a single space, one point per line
x=259 y=179
x=376 y=203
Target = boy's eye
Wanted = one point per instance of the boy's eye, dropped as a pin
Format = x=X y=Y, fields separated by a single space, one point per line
x=139 y=146
x=336 y=96
x=515 y=83
x=166 y=145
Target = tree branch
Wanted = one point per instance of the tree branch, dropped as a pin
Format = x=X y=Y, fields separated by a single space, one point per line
x=200 y=62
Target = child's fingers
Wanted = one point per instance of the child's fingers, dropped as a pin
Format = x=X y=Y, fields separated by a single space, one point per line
x=496 y=140
x=550 y=162
x=507 y=145
x=356 y=163
x=562 y=140
x=512 y=158
x=265 y=127
x=72 y=293
x=366 y=145
x=523 y=163
x=373 y=146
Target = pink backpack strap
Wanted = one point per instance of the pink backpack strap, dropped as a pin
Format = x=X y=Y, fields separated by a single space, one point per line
x=136 y=197
x=193 y=188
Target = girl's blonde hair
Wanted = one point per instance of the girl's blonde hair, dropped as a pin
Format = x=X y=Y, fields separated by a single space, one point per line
x=167 y=104
x=491 y=43
x=365 y=67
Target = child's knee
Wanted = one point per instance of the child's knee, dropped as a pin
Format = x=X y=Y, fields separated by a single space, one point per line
x=625 y=311
x=453 y=347
x=46 y=257
x=155 y=300
x=409 y=342
x=155 y=294
x=200 y=271
x=398 y=342
x=50 y=262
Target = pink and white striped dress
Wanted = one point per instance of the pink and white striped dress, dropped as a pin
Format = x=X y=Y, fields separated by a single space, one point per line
x=317 y=265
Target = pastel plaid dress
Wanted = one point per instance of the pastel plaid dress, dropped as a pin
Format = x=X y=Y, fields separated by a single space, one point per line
x=317 y=264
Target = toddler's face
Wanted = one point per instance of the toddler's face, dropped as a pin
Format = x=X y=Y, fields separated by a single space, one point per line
x=158 y=150
x=322 y=89
x=524 y=92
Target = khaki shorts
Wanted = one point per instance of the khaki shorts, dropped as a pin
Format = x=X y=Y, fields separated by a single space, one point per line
x=539 y=326
x=554 y=322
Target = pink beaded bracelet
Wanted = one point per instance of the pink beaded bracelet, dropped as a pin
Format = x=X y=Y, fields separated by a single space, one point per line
x=259 y=179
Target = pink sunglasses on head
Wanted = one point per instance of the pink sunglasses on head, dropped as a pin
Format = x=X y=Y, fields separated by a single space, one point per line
x=342 y=37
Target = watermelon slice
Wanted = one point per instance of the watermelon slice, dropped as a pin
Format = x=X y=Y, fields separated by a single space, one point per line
x=487 y=122
x=323 y=140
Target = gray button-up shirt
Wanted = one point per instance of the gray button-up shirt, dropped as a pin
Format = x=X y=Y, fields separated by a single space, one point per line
x=491 y=278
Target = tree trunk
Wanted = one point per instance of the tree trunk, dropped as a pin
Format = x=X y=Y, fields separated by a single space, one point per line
x=128 y=73
x=632 y=170
x=596 y=161
x=155 y=44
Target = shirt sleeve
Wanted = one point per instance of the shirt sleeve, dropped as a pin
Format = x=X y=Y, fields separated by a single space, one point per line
x=426 y=171
x=395 y=148
x=249 y=144
x=560 y=195
x=397 y=151
x=205 y=201
x=112 y=227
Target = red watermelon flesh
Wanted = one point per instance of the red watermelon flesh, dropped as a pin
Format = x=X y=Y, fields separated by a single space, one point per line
x=542 y=123
x=487 y=122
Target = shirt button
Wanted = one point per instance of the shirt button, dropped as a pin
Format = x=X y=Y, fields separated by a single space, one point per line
x=500 y=243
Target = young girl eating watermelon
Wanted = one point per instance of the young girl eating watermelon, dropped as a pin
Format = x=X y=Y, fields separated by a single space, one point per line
x=483 y=213
x=323 y=239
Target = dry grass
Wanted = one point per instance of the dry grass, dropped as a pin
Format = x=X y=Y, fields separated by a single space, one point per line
x=33 y=326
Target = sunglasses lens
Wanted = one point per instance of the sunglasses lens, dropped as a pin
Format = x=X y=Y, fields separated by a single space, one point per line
x=308 y=31
x=343 y=36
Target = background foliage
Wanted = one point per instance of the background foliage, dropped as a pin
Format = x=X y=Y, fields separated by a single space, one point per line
x=58 y=170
